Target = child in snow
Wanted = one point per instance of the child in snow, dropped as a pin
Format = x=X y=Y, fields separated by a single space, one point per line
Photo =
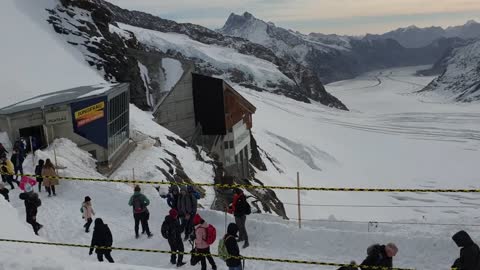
x=232 y=247
x=201 y=245
x=38 y=174
x=87 y=213
x=32 y=202
x=4 y=191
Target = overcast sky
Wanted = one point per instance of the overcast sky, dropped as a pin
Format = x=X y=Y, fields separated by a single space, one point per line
x=324 y=16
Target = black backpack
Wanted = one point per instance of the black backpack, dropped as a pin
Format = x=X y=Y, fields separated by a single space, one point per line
x=138 y=204
x=244 y=206
x=165 y=230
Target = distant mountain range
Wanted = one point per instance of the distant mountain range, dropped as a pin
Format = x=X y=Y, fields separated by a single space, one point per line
x=415 y=37
x=334 y=57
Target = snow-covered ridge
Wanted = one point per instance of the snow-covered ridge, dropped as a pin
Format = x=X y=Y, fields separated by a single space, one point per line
x=460 y=80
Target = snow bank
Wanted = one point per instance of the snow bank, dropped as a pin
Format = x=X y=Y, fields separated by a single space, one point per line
x=34 y=61
x=153 y=151
x=219 y=57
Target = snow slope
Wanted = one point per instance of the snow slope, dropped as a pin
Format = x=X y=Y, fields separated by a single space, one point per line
x=34 y=60
x=460 y=79
x=173 y=71
x=219 y=57
x=391 y=139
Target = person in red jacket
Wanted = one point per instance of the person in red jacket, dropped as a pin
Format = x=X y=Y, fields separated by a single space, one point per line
x=240 y=209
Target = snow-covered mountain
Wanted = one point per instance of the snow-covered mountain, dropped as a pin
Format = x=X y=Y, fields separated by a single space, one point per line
x=119 y=42
x=416 y=37
x=460 y=78
x=332 y=57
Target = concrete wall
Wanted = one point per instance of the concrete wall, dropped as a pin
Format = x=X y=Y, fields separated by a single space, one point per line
x=176 y=111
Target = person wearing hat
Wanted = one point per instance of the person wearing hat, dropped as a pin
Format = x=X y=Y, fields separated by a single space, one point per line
x=172 y=231
x=232 y=247
x=139 y=203
x=4 y=191
x=187 y=208
x=201 y=245
x=87 y=213
x=101 y=237
x=32 y=202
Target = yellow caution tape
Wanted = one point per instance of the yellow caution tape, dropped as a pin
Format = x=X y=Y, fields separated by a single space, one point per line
x=232 y=186
x=203 y=254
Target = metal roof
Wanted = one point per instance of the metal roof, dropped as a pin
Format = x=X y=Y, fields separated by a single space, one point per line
x=62 y=97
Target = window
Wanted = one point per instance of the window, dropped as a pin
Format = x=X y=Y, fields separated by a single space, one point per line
x=226 y=145
x=236 y=158
x=118 y=122
x=231 y=144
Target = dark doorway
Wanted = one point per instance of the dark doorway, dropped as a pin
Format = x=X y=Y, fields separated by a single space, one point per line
x=37 y=136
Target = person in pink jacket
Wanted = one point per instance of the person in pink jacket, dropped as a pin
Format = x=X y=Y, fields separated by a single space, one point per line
x=201 y=245
x=88 y=213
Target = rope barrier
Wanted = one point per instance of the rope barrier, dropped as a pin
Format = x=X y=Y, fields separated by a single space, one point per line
x=232 y=186
x=262 y=259
x=383 y=206
x=390 y=222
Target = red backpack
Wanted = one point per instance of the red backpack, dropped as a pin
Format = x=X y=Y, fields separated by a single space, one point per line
x=211 y=235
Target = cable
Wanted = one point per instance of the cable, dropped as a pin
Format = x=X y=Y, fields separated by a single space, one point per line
x=383 y=206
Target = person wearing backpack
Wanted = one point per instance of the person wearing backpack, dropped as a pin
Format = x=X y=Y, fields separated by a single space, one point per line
x=228 y=249
x=172 y=231
x=380 y=255
x=204 y=236
x=187 y=208
x=32 y=202
x=38 y=174
x=101 y=237
x=469 y=253
x=139 y=203
x=87 y=213
x=240 y=209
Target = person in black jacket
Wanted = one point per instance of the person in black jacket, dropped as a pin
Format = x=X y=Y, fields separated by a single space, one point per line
x=38 y=174
x=17 y=159
x=469 y=254
x=4 y=191
x=102 y=237
x=380 y=255
x=232 y=247
x=32 y=202
x=172 y=231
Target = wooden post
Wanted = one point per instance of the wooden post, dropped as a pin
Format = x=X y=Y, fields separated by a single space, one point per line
x=45 y=130
x=55 y=156
x=299 y=206
x=33 y=153
x=133 y=174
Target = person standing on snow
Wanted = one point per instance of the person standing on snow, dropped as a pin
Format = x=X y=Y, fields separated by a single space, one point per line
x=50 y=177
x=4 y=191
x=102 y=237
x=87 y=213
x=187 y=208
x=38 y=174
x=240 y=209
x=32 y=202
x=232 y=248
x=7 y=170
x=139 y=203
x=469 y=253
x=172 y=231
x=201 y=245
x=380 y=255
x=17 y=161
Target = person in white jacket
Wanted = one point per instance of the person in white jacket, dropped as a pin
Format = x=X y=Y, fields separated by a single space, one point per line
x=88 y=213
